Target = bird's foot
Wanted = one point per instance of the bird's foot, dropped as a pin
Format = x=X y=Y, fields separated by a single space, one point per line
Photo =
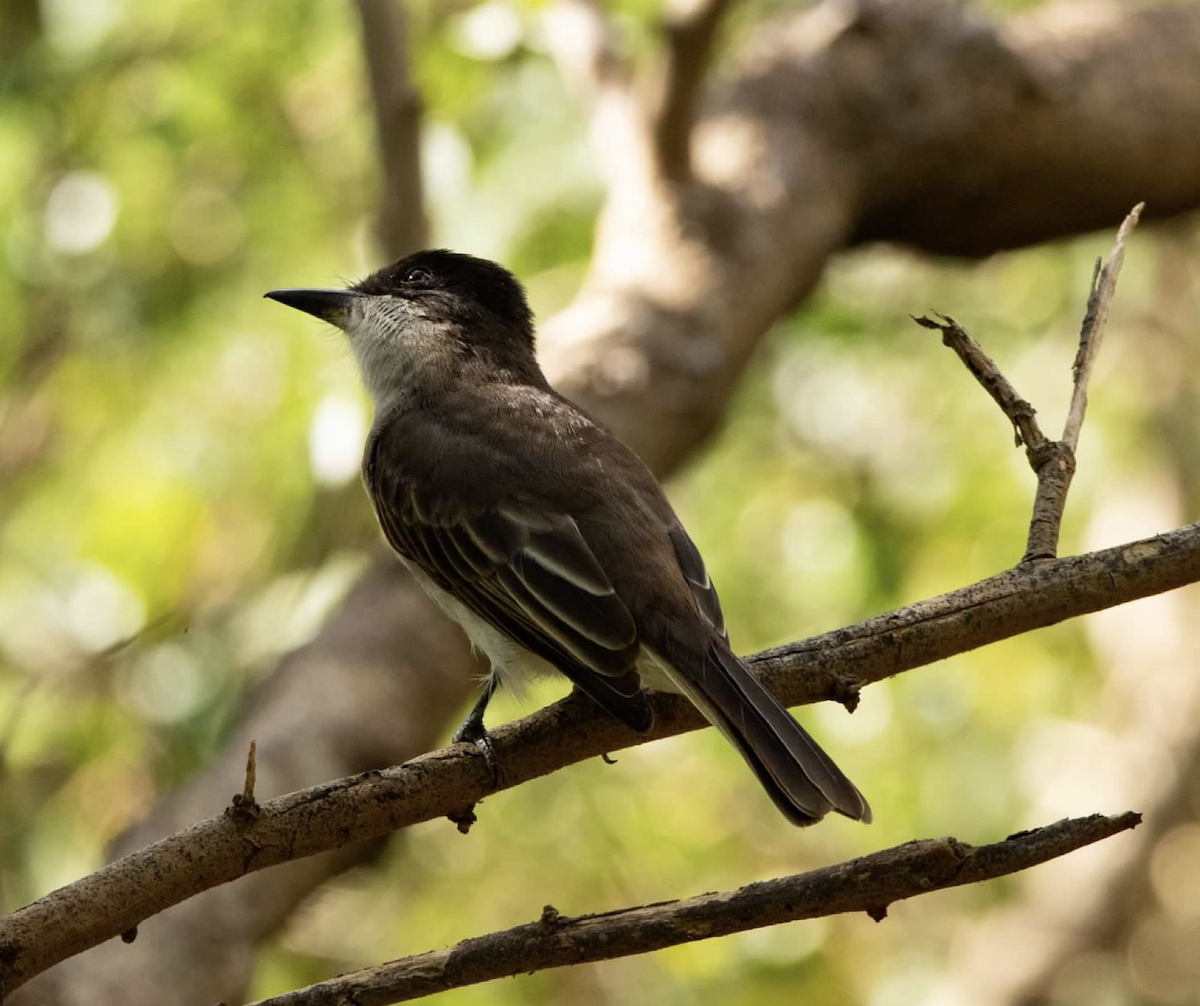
x=475 y=733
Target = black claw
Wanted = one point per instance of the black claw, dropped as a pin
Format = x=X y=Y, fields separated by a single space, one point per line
x=483 y=744
x=474 y=732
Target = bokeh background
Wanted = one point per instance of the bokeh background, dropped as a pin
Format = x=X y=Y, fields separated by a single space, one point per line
x=180 y=507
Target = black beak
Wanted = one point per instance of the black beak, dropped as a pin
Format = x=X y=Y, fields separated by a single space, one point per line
x=328 y=305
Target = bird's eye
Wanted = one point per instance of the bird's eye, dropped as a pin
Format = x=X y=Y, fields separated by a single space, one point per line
x=418 y=274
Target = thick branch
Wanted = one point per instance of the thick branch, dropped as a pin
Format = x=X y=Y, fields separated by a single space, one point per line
x=118 y=897
x=919 y=122
x=386 y=708
x=689 y=31
x=867 y=884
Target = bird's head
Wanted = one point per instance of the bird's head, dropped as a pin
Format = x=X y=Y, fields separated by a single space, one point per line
x=429 y=313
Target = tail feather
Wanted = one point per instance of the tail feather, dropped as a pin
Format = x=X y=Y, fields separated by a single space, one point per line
x=799 y=777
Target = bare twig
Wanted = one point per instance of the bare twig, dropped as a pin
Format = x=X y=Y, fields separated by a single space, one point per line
x=689 y=31
x=244 y=806
x=251 y=771
x=1053 y=461
x=1104 y=285
x=1020 y=413
x=403 y=226
x=329 y=816
x=867 y=884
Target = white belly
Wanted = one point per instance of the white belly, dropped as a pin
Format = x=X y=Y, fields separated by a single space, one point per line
x=512 y=664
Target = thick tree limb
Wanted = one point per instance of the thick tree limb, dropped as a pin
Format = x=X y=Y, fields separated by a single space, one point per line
x=124 y=893
x=689 y=31
x=867 y=884
x=916 y=122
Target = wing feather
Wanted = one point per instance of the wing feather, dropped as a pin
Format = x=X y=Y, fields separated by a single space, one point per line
x=529 y=574
x=691 y=564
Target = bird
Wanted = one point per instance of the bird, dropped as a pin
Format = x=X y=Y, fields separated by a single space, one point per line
x=536 y=529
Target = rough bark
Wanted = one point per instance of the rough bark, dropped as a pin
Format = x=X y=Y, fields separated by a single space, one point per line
x=305 y=823
x=868 y=884
x=308 y=721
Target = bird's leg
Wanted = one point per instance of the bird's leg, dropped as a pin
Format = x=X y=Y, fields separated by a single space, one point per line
x=474 y=732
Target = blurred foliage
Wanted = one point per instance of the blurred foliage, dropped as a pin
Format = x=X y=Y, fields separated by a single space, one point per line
x=179 y=501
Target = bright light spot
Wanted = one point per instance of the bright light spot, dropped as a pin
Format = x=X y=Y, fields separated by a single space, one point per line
x=941 y=699
x=80 y=213
x=249 y=372
x=288 y=613
x=445 y=162
x=830 y=400
x=910 y=984
x=335 y=440
x=76 y=25
x=490 y=31
x=819 y=538
x=167 y=685
x=99 y=610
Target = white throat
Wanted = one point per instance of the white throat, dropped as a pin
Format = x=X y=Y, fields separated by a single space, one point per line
x=391 y=340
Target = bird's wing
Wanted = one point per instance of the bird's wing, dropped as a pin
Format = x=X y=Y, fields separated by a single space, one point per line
x=529 y=574
x=691 y=564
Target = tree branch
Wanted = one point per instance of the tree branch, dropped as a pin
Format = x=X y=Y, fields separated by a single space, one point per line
x=901 y=126
x=834 y=666
x=1104 y=285
x=689 y=30
x=867 y=884
x=403 y=226
x=378 y=647
x=924 y=125
x=1052 y=461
